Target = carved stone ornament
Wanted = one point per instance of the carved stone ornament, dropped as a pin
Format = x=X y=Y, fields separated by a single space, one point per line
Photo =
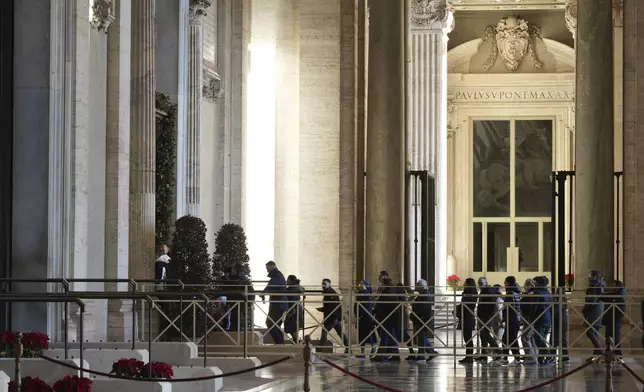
x=198 y=10
x=432 y=14
x=571 y=17
x=618 y=13
x=102 y=15
x=512 y=39
x=212 y=90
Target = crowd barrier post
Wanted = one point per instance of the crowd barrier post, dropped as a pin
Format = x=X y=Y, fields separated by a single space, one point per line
x=609 y=359
x=307 y=353
x=17 y=352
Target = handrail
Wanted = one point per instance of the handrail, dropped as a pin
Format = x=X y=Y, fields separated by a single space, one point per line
x=54 y=299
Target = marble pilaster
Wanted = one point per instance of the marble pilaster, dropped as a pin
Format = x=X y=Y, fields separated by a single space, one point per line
x=142 y=141
x=117 y=167
x=385 y=139
x=427 y=138
x=594 y=215
x=195 y=88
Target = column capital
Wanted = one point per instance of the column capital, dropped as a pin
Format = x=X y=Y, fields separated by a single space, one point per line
x=571 y=17
x=618 y=13
x=433 y=15
x=198 y=9
x=212 y=90
x=102 y=14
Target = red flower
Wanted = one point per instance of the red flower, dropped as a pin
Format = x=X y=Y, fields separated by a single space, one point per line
x=8 y=337
x=73 y=384
x=31 y=384
x=159 y=370
x=35 y=340
x=127 y=367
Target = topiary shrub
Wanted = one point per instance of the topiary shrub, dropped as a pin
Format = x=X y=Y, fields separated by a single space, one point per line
x=190 y=263
x=166 y=163
x=230 y=249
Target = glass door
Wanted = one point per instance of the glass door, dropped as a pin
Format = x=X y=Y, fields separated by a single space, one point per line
x=512 y=197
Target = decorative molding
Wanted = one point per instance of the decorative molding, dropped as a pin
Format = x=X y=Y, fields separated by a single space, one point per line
x=198 y=9
x=432 y=15
x=506 y=5
x=618 y=13
x=212 y=86
x=571 y=17
x=512 y=39
x=102 y=15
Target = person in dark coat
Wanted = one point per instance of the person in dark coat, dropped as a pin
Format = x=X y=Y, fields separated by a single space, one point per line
x=512 y=317
x=594 y=309
x=363 y=312
x=421 y=316
x=332 y=313
x=275 y=288
x=389 y=315
x=559 y=336
x=542 y=318
x=487 y=313
x=294 y=319
x=615 y=299
x=465 y=311
x=403 y=329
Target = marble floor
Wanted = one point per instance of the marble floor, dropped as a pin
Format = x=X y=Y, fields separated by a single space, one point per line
x=442 y=374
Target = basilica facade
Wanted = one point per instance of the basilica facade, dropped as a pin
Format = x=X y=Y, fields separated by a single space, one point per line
x=421 y=137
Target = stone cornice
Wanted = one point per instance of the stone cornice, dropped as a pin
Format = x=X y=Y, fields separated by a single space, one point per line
x=102 y=15
x=431 y=15
x=212 y=89
x=198 y=9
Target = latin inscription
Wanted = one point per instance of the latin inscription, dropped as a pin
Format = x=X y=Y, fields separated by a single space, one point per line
x=513 y=95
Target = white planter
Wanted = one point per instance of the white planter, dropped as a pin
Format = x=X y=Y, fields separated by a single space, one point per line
x=36 y=367
x=4 y=382
x=112 y=385
x=197 y=386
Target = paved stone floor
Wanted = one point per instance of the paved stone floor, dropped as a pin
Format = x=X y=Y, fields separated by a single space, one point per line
x=442 y=375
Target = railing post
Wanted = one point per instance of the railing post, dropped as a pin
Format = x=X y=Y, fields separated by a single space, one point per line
x=247 y=318
x=609 y=358
x=17 y=352
x=306 y=354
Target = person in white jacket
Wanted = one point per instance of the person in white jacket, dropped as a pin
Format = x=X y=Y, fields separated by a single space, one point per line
x=161 y=266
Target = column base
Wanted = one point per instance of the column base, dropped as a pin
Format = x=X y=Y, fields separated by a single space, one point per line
x=119 y=320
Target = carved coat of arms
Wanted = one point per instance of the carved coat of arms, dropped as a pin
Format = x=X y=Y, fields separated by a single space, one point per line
x=512 y=40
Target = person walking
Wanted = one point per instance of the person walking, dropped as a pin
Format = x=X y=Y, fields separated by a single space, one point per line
x=542 y=318
x=332 y=314
x=527 y=332
x=615 y=299
x=277 y=306
x=389 y=315
x=465 y=311
x=594 y=309
x=559 y=335
x=363 y=312
x=512 y=316
x=421 y=316
x=294 y=319
x=487 y=313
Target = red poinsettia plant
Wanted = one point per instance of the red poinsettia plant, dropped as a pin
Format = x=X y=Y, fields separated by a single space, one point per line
x=128 y=367
x=133 y=368
x=30 y=384
x=453 y=281
x=570 y=280
x=73 y=384
x=159 y=370
x=33 y=344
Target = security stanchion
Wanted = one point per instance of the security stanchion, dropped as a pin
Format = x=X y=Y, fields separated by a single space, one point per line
x=17 y=352
x=609 y=359
x=307 y=353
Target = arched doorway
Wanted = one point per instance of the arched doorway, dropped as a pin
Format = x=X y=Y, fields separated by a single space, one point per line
x=508 y=130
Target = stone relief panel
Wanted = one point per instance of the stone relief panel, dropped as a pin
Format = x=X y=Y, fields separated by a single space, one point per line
x=515 y=46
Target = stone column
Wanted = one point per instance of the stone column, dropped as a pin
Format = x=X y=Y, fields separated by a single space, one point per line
x=430 y=24
x=117 y=167
x=385 y=139
x=195 y=87
x=142 y=141
x=594 y=138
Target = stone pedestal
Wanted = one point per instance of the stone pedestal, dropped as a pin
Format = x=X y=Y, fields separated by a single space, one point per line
x=143 y=142
x=427 y=138
x=594 y=215
x=385 y=139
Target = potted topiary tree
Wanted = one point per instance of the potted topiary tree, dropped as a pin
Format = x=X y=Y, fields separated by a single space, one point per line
x=231 y=255
x=190 y=263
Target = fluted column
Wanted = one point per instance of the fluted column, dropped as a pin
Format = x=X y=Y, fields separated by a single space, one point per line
x=142 y=141
x=594 y=138
x=427 y=139
x=385 y=139
x=195 y=88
